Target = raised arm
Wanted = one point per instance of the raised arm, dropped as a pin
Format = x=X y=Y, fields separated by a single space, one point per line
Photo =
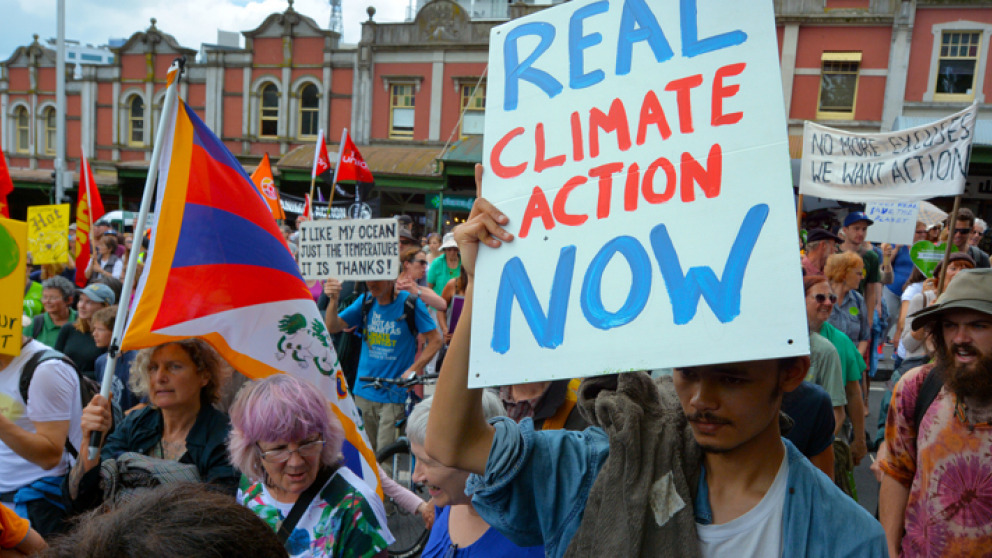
x=332 y=288
x=460 y=437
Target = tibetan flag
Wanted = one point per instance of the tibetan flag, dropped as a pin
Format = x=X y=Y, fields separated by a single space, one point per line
x=321 y=162
x=262 y=177
x=352 y=165
x=89 y=209
x=218 y=269
x=6 y=185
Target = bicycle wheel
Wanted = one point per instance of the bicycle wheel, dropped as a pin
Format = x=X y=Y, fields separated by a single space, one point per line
x=408 y=528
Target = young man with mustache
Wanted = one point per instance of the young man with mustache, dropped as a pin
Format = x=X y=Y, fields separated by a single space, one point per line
x=936 y=495
x=692 y=465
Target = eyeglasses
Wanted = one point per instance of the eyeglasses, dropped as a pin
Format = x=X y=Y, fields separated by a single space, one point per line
x=419 y=261
x=821 y=298
x=924 y=231
x=309 y=449
x=962 y=231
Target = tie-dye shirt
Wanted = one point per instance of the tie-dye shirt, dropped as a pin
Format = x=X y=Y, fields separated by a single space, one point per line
x=339 y=523
x=948 y=469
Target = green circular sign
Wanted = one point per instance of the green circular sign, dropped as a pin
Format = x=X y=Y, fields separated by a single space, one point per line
x=10 y=255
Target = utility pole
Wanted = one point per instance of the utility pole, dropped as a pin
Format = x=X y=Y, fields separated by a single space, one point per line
x=60 y=174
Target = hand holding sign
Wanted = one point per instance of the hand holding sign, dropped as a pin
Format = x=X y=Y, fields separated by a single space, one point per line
x=484 y=226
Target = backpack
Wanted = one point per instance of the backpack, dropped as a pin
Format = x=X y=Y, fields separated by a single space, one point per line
x=37 y=323
x=87 y=387
x=928 y=392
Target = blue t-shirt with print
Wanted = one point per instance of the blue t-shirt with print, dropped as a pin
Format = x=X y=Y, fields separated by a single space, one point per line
x=389 y=348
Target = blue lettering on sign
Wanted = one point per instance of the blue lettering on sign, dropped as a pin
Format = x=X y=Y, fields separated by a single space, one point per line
x=637 y=23
x=637 y=12
x=684 y=289
x=640 y=270
x=577 y=42
x=723 y=296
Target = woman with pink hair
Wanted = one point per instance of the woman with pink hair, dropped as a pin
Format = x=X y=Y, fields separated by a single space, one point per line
x=287 y=445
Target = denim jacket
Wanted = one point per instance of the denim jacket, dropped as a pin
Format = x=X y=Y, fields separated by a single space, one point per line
x=535 y=487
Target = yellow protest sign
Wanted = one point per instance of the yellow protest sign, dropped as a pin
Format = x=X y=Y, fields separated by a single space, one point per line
x=48 y=233
x=13 y=253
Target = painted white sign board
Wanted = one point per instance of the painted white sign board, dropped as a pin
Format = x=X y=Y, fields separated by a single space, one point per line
x=908 y=165
x=892 y=222
x=639 y=149
x=349 y=250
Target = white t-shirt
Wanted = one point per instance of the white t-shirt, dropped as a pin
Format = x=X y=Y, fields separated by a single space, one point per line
x=116 y=271
x=53 y=395
x=756 y=533
x=907 y=296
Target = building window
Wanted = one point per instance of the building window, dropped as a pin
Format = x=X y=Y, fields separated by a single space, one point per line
x=50 y=127
x=135 y=121
x=401 y=111
x=838 y=85
x=309 y=111
x=23 y=135
x=268 y=118
x=473 y=109
x=956 y=65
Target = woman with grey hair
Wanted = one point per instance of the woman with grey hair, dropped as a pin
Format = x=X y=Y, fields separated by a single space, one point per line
x=458 y=529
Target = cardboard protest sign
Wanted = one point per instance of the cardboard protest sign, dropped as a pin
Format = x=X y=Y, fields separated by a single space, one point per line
x=639 y=150
x=350 y=250
x=908 y=165
x=13 y=255
x=893 y=222
x=48 y=233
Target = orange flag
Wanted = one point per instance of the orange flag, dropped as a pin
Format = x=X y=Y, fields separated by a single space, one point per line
x=262 y=177
x=89 y=208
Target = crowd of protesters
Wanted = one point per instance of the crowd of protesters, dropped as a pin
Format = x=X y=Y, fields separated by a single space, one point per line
x=746 y=458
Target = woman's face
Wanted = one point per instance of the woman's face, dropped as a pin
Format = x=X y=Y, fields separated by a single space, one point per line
x=86 y=307
x=173 y=379
x=103 y=248
x=435 y=243
x=818 y=311
x=954 y=269
x=417 y=267
x=128 y=242
x=854 y=276
x=290 y=467
x=445 y=484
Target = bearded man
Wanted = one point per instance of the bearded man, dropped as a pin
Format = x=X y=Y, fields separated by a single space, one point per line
x=936 y=495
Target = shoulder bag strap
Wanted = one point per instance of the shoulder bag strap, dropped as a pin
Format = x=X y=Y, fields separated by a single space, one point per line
x=302 y=503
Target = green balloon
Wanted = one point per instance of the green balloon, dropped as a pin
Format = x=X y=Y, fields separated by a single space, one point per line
x=10 y=255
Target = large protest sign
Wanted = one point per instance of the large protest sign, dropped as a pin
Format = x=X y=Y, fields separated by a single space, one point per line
x=892 y=222
x=13 y=255
x=639 y=150
x=350 y=250
x=48 y=233
x=915 y=164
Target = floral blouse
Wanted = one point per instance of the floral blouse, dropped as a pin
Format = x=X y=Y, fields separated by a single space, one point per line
x=339 y=523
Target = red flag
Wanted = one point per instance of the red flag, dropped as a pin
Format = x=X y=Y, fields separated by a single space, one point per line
x=262 y=177
x=321 y=162
x=6 y=185
x=306 y=207
x=89 y=208
x=353 y=167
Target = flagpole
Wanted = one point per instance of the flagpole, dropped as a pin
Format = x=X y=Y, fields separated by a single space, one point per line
x=113 y=351
x=313 y=172
x=334 y=181
x=953 y=218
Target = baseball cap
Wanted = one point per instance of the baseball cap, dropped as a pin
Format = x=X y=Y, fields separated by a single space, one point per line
x=856 y=216
x=98 y=292
x=817 y=235
x=971 y=289
x=405 y=233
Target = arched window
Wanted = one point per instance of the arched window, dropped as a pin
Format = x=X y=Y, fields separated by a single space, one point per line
x=135 y=121
x=268 y=121
x=309 y=110
x=50 y=127
x=23 y=135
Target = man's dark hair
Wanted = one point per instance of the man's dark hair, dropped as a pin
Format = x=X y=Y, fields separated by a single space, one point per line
x=965 y=214
x=177 y=520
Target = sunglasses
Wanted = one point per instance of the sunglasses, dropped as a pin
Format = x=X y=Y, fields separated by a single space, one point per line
x=821 y=298
x=924 y=231
x=419 y=261
x=962 y=231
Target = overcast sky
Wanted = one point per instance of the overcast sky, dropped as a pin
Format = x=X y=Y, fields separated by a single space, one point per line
x=191 y=22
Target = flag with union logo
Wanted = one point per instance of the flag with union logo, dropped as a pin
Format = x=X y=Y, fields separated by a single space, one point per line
x=218 y=269
x=89 y=208
x=262 y=177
